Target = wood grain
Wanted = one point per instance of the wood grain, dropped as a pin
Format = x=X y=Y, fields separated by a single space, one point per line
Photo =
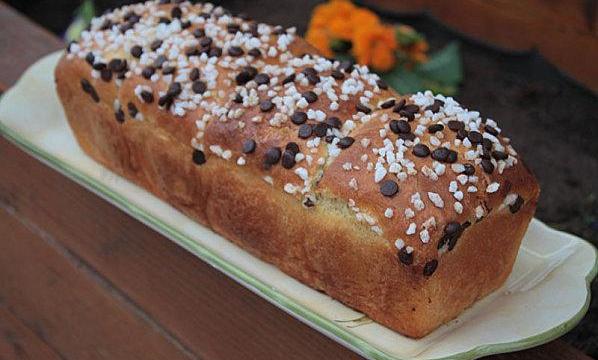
x=133 y=283
x=21 y=44
x=17 y=341
x=78 y=317
x=564 y=31
x=211 y=314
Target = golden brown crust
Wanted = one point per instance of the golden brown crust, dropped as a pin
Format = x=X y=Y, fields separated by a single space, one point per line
x=328 y=246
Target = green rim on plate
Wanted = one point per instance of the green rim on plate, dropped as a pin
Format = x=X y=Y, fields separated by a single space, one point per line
x=287 y=304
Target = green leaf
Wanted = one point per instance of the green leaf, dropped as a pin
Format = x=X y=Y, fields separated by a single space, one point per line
x=83 y=15
x=340 y=46
x=444 y=66
x=407 y=38
x=441 y=74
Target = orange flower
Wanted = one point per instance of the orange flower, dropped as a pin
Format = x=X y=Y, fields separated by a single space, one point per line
x=324 y=14
x=319 y=38
x=375 y=46
x=328 y=22
x=417 y=52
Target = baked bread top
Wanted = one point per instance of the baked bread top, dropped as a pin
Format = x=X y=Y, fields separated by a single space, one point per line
x=412 y=170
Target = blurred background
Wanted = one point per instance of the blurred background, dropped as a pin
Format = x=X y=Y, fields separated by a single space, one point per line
x=530 y=65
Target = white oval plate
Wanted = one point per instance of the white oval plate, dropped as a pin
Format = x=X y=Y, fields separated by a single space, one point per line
x=545 y=296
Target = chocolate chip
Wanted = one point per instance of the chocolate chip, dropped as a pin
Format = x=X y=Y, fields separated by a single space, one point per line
x=435 y=128
x=474 y=137
x=232 y=28
x=499 y=155
x=346 y=66
x=288 y=159
x=238 y=98
x=400 y=127
x=292 y=147
x=289 y=79
x=388 y=104
x=163 y=20
x=487 y=145
x=399 y=106
x=119 y=115
x=185 y=24
x=249 y=146
x=320 y=129
x=117 y=65
x=262 y=79
x=412 y=108
x=298 y=117
x=255 y=52
x=148 y=72
x=389 y=188
x=90 y=58
x=199 y=87
x=309 y=71
x=147 y=96
x=436 y=106
x=194 y=74
x=266 y=105
x=176 y=12
x=272 y=156
x=452 y=157
x=337 y=75
x=136 y=51
x=89 y=89
x=405 y=257
x=363 y=108
x=345 y=142
x=455 y=125
x=304 y=131
x=491 y=130
x=430 y=267
x=382 y=84
x=199 y=33
x=310 y=96
x=215 y=52
x=421 y=150
x=469 y=169
x=106 y=74
x=132 y=109
x=516 y=206
x=205 y=42
x=407 y=137
x=406 y=114
x=155 y=45
x=235 y=51
x=462 y=134
x=168 y=70
x=99 y=66
x=199 y=157
x=488 y=166
x=440 y=154
x=160 y=60
x=334 y=122
x=174 y=89
x=246 y=75
x=329 y=138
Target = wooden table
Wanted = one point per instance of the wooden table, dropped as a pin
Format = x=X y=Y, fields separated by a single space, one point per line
x=80 y=279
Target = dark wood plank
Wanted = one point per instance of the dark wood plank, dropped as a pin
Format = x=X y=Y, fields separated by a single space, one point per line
x=17 y=341
x=21 y=43
x=556 y=350
x=210 y=313
x=79 y=318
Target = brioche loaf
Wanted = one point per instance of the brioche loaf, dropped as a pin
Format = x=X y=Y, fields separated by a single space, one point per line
x=407 y=208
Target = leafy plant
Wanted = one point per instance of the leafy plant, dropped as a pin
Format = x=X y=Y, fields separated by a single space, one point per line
x=83 y=15
x=441 y=73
